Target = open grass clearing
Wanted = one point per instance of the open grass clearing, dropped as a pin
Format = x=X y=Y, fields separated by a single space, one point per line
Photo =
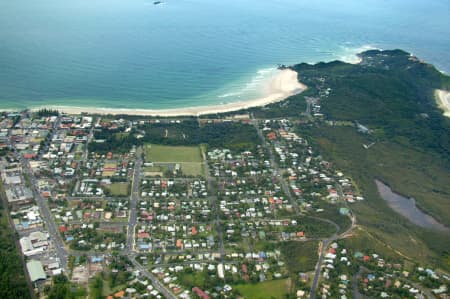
x=118 y=189
x=192 y=169
x=300 y=256
x=108 y=289
x=176 y=154
x=265 y=290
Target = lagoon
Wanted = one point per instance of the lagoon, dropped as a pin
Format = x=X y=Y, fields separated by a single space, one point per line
x=407 y=208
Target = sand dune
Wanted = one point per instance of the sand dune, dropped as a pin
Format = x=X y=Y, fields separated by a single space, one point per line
x=443 y=100
x=283 y=85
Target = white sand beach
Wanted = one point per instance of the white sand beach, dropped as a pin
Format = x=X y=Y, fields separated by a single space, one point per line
x=283 y=85
x=443 y=100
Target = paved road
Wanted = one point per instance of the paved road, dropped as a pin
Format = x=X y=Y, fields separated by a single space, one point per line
x=275 y=167
x=47 y=217
x=325 y=242
x=52 y=131
x=156 y=283
x=213 y=200
x=195 y=262
x=86 y=147
x=309 y=102
x=133 y=199
x=356 y=293
x=325 y=245
x=102 y=223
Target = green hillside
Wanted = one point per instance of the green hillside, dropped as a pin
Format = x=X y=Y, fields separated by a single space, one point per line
x=392 y=94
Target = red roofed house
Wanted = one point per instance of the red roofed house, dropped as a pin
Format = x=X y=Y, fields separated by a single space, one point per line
x=193 y=231
x=143 y=235
x=200 y=293
x=244 y=268
x=179 y=243
x=272 y=136
x=46 y=194
x=29 y=155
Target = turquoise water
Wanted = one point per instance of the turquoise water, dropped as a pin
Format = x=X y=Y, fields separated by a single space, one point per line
x=133 y=54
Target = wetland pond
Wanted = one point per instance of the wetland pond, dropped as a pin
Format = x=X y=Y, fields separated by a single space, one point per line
x=407 y=207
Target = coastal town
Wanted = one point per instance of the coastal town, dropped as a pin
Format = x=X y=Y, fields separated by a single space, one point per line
x=134 y=207
x=198 y=149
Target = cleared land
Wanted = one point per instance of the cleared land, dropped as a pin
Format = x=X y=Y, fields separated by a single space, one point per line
x=300 y=256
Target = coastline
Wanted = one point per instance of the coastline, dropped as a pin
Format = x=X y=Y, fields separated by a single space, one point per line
x=282 y=86
x=443 y=101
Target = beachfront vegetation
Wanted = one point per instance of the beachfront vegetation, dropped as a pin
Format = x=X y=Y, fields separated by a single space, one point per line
x=46 y=112
x=232 y=135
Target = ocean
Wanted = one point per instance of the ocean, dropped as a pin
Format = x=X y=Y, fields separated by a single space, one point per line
x=182 y=53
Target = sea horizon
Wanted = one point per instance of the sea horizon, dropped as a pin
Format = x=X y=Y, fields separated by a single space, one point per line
x=62 y=53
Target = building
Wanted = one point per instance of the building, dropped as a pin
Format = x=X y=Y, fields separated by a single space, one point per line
x=18 y=194
x=200 y=293
x=36 y=271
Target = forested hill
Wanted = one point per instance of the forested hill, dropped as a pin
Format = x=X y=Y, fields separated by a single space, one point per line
x=389 y=91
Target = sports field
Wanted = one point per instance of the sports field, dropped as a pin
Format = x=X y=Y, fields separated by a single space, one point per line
x=265 y=290
x=189 y=157
x=119 y=189
x=175 y=154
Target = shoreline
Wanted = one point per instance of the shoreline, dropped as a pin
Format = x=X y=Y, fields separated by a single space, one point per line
x=443 y=101
x=280 y=87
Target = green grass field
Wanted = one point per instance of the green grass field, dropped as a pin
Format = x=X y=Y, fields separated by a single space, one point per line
x=192 y=169
x=193 y=279
x=189 y=157
x=265 y=290
x=164 y=153
x=119 y=189
x=153 y=169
